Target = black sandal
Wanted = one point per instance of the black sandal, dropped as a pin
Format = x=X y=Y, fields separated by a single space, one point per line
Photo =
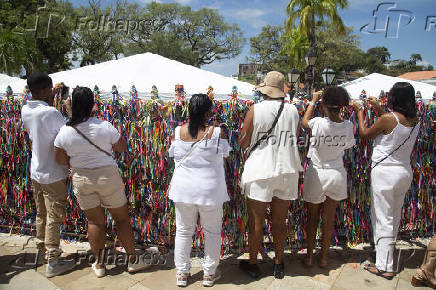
x=379 y=273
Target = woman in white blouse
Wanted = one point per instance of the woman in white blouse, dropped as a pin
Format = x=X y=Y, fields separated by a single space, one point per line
x=86 y=143
x=198 y=187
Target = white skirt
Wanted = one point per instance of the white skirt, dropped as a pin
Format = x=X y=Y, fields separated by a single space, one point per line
x=322 y=182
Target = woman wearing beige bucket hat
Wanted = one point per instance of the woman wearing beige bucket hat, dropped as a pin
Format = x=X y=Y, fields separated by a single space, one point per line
x=272 y=168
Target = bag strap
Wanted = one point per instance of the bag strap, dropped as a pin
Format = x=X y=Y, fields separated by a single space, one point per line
x=193 y=146
x=282 y=105
x=404 y=142
x=90 y=142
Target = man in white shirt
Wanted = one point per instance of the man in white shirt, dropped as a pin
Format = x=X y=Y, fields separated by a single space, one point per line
x=42 y=122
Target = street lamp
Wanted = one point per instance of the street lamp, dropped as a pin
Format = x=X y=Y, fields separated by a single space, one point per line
x=293 y=76
x=328 y=75
x=310 y=58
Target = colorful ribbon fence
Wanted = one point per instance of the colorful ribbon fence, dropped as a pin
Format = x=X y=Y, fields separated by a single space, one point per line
x=146 y=169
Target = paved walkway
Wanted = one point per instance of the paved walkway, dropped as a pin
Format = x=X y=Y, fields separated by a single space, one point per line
x=345 y=272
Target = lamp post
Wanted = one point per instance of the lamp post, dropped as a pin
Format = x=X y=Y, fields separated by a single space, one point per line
x=310 y=58
x=328 y=75
x=294 y=75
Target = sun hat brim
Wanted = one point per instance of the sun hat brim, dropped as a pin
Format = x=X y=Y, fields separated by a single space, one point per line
x=271 y=91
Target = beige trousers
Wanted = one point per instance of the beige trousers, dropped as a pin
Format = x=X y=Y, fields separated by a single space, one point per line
x=50 y=202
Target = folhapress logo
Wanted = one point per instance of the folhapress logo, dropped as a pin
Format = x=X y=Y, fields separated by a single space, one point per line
x=389 y=20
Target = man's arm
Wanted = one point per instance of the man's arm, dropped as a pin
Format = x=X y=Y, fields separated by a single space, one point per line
x=61 y=156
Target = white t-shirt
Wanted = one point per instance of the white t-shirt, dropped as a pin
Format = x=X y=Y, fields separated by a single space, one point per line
x=328 y=142
x=200 y=178
x=43 y=122
x=83 y=154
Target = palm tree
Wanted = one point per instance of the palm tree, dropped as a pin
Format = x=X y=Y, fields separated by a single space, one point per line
x=414 y=58
x=11 y=52
x=308 y=12
x=296 y=47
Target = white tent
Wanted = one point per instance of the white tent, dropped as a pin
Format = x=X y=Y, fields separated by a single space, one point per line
x=374 y=83
x=143 y=71
x=5 y=80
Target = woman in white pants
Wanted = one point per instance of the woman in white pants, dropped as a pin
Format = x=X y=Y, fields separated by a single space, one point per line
x=198 y=187
x=391 y=175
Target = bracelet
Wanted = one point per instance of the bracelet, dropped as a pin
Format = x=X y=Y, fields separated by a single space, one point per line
x=312 y=103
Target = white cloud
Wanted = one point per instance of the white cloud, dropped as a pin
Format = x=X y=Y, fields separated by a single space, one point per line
x=252 y=16
x=184 y=1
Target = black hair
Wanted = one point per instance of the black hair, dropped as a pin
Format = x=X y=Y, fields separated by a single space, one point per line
x=199 y=105
x=402 y=99
x=334 y=98
x=39 y=81
x=82 y=102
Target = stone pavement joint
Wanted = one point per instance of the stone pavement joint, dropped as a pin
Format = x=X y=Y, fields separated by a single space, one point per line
x=344 y=272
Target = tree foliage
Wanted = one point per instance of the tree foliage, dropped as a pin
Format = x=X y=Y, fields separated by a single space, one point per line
x=192 y=37
x=308 y=12
x=48 y=35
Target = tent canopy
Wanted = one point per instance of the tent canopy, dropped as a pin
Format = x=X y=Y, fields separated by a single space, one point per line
x=374 y=83
x=143 y=71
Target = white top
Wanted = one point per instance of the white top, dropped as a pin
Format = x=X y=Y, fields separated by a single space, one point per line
x=82 y=154
x=43 y=122
x=328 y=142
x=386 y=144
x=200 y=178
x=278 y=154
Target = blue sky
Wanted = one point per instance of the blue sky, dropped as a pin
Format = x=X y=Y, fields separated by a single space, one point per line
x=251 y=15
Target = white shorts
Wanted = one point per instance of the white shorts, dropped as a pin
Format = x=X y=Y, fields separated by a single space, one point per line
x=283 y=187
x=322 y=182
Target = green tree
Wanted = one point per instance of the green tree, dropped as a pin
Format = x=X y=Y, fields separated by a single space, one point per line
x=373 y=64
x=200 y=37
x=100 y=36
x=340 y=52
x=266 y=48
x=304 y=16
x=12 y=51
x=38 y=33
x=307 y=12
x=380 y=52
x=295 y=47
x=414 y=58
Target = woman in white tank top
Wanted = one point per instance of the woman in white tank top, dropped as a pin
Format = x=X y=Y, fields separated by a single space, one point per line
x=394 y=136
x=271 y=172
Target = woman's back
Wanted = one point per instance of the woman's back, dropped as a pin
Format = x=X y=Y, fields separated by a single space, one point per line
x=386 y=144
x=82 y=153
x=199 y=176
x=278 y=154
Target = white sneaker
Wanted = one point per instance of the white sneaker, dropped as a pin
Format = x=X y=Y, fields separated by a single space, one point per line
x=99 y=272
x=182 y=279
x=58 y=267
x=209 y=280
